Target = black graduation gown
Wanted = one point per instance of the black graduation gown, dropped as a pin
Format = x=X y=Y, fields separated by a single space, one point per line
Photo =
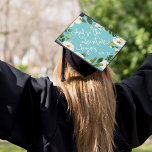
x=33 y=115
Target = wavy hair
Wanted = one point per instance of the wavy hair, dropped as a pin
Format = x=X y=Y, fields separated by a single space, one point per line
x=92 y=104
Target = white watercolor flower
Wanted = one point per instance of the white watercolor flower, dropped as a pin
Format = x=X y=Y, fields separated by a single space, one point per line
x=78 y=20
x=116 y=49
x=69 y=45
x=88 y=60
x=118 y=41
x=79 y=54
x=110 y=46
x=105 y=63
x=91 y=26
x=99 y=26
x=71 y=24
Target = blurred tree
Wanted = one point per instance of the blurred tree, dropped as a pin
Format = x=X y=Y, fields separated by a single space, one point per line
x=23 y=68
x=131 y=20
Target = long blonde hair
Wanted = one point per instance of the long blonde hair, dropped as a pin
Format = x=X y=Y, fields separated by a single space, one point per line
x=92 y=104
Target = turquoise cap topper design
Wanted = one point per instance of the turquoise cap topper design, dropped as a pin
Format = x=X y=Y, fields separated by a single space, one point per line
x=91 y=41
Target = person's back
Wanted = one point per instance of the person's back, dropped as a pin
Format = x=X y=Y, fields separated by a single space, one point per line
x=91 y=103
x=33 y=113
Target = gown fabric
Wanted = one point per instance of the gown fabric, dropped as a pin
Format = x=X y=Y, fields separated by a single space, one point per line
x=33 y=114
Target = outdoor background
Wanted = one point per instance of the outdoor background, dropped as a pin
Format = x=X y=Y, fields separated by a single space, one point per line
x=28 y=30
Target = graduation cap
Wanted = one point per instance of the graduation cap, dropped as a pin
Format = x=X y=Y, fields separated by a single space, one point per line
x=88 y=46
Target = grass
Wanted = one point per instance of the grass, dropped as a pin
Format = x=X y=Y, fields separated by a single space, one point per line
x=147 y=147
x=8 y=147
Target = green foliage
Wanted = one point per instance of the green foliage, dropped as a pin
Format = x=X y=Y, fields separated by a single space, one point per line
x=61 y=36
x=98 y=64
x=93 y=60
x=109 y=58
x=84 y=54
x=131 y=20
x=99 y=60
x=23 y=68
x=68 y=36
x=62 y=40
x=89 y=20
x=69 y=30
x=84 y=21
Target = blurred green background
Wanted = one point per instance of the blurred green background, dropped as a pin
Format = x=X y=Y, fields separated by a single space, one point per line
x=130 y=19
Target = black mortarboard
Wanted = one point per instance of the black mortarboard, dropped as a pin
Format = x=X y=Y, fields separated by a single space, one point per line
x=88 y=46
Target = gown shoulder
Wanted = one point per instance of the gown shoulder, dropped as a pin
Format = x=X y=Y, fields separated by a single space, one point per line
x=134 y=107
x=27 y=108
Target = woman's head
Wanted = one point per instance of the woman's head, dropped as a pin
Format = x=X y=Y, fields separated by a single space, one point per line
x=91 y=102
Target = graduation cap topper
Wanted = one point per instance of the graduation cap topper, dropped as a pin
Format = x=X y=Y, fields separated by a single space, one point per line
x=88 y=46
